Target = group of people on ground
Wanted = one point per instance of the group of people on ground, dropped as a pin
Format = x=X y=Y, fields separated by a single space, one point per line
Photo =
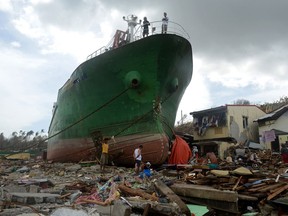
x=137 y=155
x=146 y=24
x=143 y=169
x=208 y=158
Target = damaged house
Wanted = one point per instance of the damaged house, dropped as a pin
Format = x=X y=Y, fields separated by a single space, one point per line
x=273 y=129
x=217 y=128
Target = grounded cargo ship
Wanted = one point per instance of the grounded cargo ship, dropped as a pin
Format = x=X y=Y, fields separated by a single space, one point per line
x=129 y=90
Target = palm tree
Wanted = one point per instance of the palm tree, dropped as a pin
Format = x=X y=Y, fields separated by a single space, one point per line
x=14 y=140
x=30 y=133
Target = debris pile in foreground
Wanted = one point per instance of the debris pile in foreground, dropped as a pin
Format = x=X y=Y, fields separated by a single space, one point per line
x=56 y=189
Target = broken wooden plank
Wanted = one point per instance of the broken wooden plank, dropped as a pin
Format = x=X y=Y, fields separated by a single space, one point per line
x=257 y=188
x=258 y=185
x=239 y=188
x=65 y=195
x=251 y=180
x=94 y=202
x=137 y=192
x=165 y=190
x=271 y=196
x=271 y=187
x=237 y=183
x=275 y=189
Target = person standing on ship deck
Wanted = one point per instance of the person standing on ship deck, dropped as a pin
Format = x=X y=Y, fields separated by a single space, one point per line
x=138 y=158
x=146 y=24
x=164 y=23
x=104 y=156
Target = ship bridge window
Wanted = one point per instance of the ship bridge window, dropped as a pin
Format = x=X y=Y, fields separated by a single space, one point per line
x=82 y=77
x=76 y=81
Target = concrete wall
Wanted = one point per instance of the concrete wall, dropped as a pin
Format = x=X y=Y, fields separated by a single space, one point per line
x=283 y=139
x=235 y=122
x=212 y=133
x=222 y=148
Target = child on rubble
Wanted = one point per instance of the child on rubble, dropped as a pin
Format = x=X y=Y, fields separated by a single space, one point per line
x=146 y=170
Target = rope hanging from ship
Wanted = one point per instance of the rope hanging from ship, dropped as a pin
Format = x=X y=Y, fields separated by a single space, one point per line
x=90 y=114
x=154 y=109
x=164 y=121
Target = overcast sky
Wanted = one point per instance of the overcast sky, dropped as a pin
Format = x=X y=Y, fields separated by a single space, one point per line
x=239 y=50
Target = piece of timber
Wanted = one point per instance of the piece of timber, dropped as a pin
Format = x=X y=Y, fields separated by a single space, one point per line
x=271 y=187
x=165 y=190
x=137 y=192
x=276 y=193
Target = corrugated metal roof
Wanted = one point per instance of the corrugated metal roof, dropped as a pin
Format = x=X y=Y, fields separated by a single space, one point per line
x=274 y=115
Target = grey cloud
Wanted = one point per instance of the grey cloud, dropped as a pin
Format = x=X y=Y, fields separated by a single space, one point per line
x=70 y=14
x=222 y=30
x=229 y=31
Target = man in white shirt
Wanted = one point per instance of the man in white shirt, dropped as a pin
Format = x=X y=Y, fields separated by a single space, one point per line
x=164 y=23
x=138 y=158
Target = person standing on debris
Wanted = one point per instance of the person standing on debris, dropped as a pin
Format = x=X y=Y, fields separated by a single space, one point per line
x=212 y=160
x=104 y=156
x=195 y=152
x=284 y=153
x=229 y=159
x=164 y=23
x=253 y=157
x=195 y=155
x=138 y=158
x=146 y=24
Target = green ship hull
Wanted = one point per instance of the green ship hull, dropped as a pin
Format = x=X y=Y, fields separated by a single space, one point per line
x=130 y=93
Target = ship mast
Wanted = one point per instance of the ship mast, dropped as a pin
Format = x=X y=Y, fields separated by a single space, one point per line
x=132 y=21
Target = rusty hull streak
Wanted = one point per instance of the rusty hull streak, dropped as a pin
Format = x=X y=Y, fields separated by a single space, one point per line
x=155 y=149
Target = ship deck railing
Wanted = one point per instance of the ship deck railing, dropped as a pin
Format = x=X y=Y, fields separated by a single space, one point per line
x=154 y=28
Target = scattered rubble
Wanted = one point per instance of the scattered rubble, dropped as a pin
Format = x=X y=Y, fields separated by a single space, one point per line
x=30 y=187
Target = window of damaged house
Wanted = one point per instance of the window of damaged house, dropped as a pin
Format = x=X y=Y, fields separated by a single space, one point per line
x=245 y=121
